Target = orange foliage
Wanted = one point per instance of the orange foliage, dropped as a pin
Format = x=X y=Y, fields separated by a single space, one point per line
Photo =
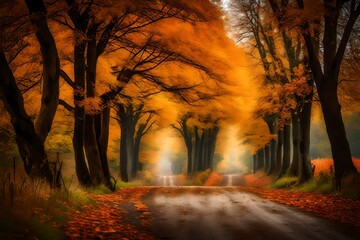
x=323 y=165
x=327 y=206
x=107 y=218
x=257 y=180
x=214 y=179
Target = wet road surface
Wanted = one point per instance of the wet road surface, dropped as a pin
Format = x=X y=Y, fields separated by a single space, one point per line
x=226 y=213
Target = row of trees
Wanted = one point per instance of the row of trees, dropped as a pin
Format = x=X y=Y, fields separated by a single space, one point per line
x=200 y=140
x=97 y=30
x=287 y=36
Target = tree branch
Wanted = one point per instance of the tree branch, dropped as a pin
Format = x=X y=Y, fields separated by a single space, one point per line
x=66 y=105
x=67 y=79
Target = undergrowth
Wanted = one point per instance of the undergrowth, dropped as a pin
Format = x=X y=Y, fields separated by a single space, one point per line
x=194 y=179
x=30 y=209
x=323 y=183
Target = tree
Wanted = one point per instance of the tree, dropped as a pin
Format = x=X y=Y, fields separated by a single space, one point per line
x=200 y=140
x=302 y=89
x=327 y=77
x=268 y=29
x=30 y=137
x=188 y=136
x=131 y=132
x=127 y=32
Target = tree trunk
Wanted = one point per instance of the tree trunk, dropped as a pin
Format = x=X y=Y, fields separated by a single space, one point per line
x=261 y=159
x=82 y=171
x=294 y=167
x=92 y=151
x=201 y=152
x=287 y=151
x=197 y=164
x=205 y=143
x=305 y=171
x=272 y=164
x=51 y=69
x=326 y=76
x=279 y=151
x=212 y=145
x=271 y=121
x=137 y=153
x=90 y=143
x=336 y=131
x=255 y=162
x=189 y=159
x=131 y=148
x=267 y=151
x=30 y=144
x=123 y=155
x=103 y=139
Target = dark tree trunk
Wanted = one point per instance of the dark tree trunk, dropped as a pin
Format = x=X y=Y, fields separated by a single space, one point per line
x=82 y=171
x=267 y=151
x=287 y=151
x=212 y=145
x=305 y=171
x=51 y=69
x=255 y=162
x=336 y=131
x=205 y=143
x=189 y=160
x=123 y=155
x=92 y=151
x=272 y=164
x=128 y=118
x=294 y=167
x=197 y=164
x=30 y=138
x=80 y=22
x=91 y=144
x=30 y=144
x=201 y=153
x=131 y=149
x=261 y=159
x=140 y=132
x=140 y=165
x=326 y=76
x=271 y=121
x=279 y=151
x=102 y=124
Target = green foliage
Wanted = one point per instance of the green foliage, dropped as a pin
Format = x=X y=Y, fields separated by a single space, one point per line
x=121 y=184
x=98 y=190
x=29 y=206
x=321 y=184
x=285 y=182
x=309 y=186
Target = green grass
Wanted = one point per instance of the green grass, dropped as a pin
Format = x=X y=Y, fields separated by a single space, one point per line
x=285 y=182
x=121 y=184
x=98 y=190
x=36 y=206
x=321 y=184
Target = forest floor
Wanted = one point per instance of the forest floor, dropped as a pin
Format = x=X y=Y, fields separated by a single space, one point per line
x=214 y=213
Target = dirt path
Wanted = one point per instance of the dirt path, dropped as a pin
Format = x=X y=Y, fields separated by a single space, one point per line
x=197 y=213
x=225 y=213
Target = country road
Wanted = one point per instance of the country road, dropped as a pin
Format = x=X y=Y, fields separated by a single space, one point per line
x=224 y=213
